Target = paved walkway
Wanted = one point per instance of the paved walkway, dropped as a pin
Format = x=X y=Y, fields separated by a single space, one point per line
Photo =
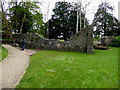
x=14 y=66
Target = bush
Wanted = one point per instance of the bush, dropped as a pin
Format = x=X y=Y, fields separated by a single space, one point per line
x=116 y=42
x=96 y=38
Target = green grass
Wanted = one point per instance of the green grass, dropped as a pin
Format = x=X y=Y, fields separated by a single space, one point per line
x=61 y=40
x=57 y=69
x=6 y=39
x=3 y=53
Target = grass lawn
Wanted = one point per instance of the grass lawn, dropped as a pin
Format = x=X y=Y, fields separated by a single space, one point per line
x=3 y=53
x=57 y=69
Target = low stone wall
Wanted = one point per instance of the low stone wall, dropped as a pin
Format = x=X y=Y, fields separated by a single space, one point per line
x=81 y=42
x=6 y=41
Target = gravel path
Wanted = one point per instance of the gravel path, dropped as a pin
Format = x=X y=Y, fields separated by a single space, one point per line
x=14 y=66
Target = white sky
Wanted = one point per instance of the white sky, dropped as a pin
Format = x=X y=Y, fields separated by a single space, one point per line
x=119 y=11
x=91 y=10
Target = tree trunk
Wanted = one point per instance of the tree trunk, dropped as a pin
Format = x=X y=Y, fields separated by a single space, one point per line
x=77 y=20
x=84 y=16
x=47 y=31
x=2 y=8
x=80 y=16
x=16 y=18
x=84 y=21
x=22 y=24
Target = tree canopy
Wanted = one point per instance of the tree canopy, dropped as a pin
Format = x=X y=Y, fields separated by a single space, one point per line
x=63 y=21
x=17 y=16
x=23 y=17
x=26 y=16
x=106 y=24
x=6 y=26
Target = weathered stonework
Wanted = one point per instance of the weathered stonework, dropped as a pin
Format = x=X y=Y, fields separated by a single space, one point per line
x=81 y=42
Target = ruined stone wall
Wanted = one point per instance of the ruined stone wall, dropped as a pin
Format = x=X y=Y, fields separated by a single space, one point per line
x=83 y=39
x=107 y=40
x=81 y=42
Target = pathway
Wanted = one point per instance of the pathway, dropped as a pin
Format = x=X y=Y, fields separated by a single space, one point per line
x=14 y=66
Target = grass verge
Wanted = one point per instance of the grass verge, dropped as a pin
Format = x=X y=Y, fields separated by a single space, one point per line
x=3 y=53
x=57 y=69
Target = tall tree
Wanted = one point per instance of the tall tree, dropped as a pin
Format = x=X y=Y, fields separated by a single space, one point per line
x=81 y=9
x=106 y=24
x=27 y=15
x=6 y=27
x=23 y=18
x=63 y=21
x=38 y=24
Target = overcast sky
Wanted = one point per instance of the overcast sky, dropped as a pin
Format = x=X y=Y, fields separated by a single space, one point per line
x=91 y=10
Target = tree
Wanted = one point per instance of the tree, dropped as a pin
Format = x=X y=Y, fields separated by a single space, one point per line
x=106 y=24
x=38 y=24
x=26 y=17
x=63 y=21
x=47 y=24
x=23 y=17
x=6 y=27
x=81 y=10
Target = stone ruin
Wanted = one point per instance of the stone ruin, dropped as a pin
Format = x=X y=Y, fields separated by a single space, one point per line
x=81 y=42
x=107 y=40
x=104 y=43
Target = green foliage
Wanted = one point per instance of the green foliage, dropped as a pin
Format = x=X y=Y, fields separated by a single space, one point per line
x=63 y=21
x=18 y=13
x=96 y=38
x=6 y=39
x=6 y=27
x=105 y=23
x=39 y=24
x=28 y=14
x=116 y=42
x=3 y=53
x=57 y=69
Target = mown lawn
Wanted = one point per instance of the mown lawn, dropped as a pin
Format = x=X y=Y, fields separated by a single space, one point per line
x=3 y=53
x=57 y=69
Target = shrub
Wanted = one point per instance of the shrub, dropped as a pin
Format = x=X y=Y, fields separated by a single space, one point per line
x=116 y=42
x=96 y=38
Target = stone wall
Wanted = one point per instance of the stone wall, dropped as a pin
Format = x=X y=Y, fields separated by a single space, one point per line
x=81 y=42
